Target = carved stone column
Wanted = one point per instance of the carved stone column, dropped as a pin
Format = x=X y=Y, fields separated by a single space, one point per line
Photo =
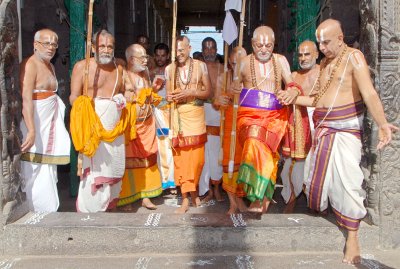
x=380 y=41
x=12 y=201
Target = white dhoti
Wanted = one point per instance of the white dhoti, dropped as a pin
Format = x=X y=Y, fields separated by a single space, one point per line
x=51 y=147
x=332 y=170
x=165 y=159
x=100 y=183
x=292 y=176
x=212 y=169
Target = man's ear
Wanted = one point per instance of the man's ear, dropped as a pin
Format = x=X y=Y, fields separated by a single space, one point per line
x=341 y=37
x=93 y=48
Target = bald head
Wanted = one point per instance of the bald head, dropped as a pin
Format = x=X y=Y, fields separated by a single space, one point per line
x=136 y=58
x=329 y=36
x=134 y=50
x=263 y=43
x=44 y=32
x=45 y=44
x=264 y=34
x=307 y=54
x=234 y=55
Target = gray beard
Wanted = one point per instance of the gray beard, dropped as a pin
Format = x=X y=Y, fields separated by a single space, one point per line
x=264 y=58
x=307 y=66
x=137 y=68
x=104 y=59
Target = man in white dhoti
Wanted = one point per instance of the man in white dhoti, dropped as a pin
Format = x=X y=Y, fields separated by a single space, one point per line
x=332 y=170
x=45 y=140
x=211 y=176
x=102 y=171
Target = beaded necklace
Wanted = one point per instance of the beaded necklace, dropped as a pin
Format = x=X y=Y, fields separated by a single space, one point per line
x=254 y=77
x=322 y=92
x=178 y=75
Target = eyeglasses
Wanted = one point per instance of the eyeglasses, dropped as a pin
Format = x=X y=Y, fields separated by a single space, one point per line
x=142 y=58
x=48 y=44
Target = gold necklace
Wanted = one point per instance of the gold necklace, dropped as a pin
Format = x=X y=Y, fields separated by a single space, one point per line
x=322 y=92
x=253 y=73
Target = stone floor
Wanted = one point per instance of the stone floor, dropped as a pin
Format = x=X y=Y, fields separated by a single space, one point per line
x=167 y=203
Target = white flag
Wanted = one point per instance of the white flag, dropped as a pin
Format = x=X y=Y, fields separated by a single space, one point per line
x=230 y=31
x=233 y=4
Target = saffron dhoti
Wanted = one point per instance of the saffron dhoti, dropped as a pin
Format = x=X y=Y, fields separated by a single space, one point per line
x=188 y=141
x=141 y=178
x=261 y=124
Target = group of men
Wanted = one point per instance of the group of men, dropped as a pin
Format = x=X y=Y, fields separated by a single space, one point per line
x=145 y=142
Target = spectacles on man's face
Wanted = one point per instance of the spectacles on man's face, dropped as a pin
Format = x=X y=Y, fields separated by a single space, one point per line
x=48 y=44
x=142 y=58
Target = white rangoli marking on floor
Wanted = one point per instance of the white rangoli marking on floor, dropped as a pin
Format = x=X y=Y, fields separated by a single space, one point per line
x=36 y=218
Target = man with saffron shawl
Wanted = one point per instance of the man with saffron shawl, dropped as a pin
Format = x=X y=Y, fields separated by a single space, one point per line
x=233 y=189
x=297 y=140
x=103 y=169
x=332 y=169
x=141 y=179
x=192 y=87
x=262 y=119
x=45 y=139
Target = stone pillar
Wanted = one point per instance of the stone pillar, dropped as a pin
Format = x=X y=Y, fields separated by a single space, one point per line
x=12 y=201
x=380 y=41
x=77 y=19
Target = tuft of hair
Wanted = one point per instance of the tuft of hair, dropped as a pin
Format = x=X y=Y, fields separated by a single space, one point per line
x=182 y=38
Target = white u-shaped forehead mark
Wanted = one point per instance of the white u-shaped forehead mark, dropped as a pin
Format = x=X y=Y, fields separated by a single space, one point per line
x=263 y=39
x=321 y=37
x=303 y=50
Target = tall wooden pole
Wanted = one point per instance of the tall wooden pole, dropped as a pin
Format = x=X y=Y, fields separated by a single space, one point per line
x=236 y=76
x=223 y=91
x=173 y=67
x=88 y=47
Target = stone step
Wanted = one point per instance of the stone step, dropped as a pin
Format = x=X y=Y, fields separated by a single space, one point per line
x=298 y=260
x=114 y=233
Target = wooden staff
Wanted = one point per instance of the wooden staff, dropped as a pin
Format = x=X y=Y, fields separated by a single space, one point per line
x=223 y=91
x=173 y=67
x=88 y=47
x=236 y=76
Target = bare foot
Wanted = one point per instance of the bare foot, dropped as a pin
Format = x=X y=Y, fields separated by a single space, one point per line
x=148 y=204
x=209 y=197
x=255 y=207
x=184 y=207
x=352 y=249
x=232 y=210
x=126 y=208
x=289 y=208
x=196 y=202
x=241 y=205
x=217 y=194
x=265 y=205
